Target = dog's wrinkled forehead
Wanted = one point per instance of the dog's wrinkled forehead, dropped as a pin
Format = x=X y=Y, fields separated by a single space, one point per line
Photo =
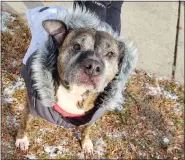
x=104 y=41
x=85 y=36
x=91 y=39
x=82 y=36
x=83 y=39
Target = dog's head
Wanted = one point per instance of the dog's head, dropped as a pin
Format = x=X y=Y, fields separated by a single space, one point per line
x=87 y=58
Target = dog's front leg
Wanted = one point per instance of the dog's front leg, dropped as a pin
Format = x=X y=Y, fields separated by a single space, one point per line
x=87 y=144
x=22 y=141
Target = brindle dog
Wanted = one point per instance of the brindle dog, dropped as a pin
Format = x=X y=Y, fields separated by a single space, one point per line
x=88 y=60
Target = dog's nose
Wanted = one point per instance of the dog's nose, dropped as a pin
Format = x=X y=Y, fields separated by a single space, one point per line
x=93 y=67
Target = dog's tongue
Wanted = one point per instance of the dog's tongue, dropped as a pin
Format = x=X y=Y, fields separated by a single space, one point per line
x=64 y=113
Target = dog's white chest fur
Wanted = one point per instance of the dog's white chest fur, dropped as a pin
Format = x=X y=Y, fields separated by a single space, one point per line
x=68 y=100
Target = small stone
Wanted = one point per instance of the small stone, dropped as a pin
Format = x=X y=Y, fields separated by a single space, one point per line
x=166 y=140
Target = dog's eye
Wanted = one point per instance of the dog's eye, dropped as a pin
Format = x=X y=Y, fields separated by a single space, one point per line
x=77 y=47
x=110 y=54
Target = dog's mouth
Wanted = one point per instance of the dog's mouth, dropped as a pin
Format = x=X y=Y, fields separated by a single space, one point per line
x=88 y=81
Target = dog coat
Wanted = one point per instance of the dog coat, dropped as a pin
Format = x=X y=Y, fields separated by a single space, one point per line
x=40 y=66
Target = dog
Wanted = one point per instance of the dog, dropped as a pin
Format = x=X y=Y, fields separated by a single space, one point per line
x=76 y=75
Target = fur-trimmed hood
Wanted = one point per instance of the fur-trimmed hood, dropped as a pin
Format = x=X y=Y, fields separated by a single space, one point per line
x=44 y=63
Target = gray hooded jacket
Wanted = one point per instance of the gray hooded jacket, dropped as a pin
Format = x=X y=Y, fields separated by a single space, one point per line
x=40 y=67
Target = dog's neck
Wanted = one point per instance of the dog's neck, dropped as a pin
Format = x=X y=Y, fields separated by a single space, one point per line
x=76 y=100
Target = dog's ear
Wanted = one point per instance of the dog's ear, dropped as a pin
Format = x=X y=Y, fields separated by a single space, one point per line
x=56 y=28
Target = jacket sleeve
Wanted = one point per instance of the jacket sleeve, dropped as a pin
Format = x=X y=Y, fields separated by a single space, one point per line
x=107 y=11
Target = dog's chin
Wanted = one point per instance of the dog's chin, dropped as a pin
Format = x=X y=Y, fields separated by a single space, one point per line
x=88 y=85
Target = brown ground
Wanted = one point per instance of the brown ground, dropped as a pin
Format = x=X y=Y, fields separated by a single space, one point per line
x=151 y=125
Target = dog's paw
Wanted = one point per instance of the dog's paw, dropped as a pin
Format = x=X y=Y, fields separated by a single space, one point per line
x=87 y=146
x=22 y=143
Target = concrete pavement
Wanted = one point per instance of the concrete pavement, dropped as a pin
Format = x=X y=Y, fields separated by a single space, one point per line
x=152 y=26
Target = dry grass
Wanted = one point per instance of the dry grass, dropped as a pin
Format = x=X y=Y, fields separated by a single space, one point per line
x=151 y=125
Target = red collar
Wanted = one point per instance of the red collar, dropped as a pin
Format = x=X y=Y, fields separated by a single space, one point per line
x=64 y=113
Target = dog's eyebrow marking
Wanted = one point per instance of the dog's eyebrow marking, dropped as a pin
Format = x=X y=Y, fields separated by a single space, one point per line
x=83 y=37
x=107 y=45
